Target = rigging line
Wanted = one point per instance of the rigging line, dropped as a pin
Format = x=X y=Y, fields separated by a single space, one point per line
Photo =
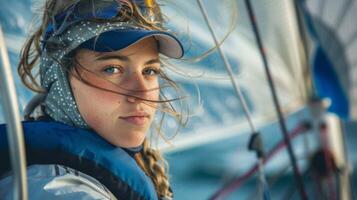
x=228 y=68
x=292 y=157
x=301 y=128
x=14 y=131
x=239 y=94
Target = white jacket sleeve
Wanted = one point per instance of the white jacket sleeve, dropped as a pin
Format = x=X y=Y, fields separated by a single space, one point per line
x=57 y=182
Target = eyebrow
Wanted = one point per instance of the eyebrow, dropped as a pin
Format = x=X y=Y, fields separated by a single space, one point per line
x=126 y=59
x=118 y=57
x=152 y=61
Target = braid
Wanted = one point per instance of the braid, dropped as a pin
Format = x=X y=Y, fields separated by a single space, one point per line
x=155 y=166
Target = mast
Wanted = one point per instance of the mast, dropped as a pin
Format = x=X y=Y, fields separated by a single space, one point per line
x=14 y=126
x=332 y=139
x=337 y=145
x=335 y=130
x=297 y=175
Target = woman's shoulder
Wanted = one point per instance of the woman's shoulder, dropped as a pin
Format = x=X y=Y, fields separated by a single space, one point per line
x=54 y=142
x=57 y=182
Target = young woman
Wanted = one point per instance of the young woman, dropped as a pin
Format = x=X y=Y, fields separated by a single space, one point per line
x=100 y=88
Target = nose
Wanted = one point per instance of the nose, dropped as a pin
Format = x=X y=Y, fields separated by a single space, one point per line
x=136 y=86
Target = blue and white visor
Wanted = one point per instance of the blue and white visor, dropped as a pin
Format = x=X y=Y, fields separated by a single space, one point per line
x=114 y=40
x=76 y=22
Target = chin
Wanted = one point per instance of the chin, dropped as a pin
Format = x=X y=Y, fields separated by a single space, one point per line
x=131 y=141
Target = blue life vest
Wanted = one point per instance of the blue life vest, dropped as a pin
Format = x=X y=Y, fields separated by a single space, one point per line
x=49 y=142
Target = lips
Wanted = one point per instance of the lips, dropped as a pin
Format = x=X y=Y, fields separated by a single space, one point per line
x=136 y=118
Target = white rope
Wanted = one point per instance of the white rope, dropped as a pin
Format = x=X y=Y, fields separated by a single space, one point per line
x=238 y=93
x=228 y=68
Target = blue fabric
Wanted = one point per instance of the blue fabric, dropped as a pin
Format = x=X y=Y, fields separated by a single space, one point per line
x=86 y=144
x=325 y=79
x=114 y=40
x=327 y=84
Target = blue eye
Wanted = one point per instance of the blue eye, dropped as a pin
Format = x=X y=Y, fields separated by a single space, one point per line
x=112 y=70
x=151 y=71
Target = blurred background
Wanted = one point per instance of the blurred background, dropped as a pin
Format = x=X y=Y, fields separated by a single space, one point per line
x=311 y=50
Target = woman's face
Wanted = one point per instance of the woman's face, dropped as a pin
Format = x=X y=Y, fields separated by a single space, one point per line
x=121 y=120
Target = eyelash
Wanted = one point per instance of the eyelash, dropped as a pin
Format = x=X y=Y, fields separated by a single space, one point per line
x=156 y=71
x=153 y=69
x=112 y=67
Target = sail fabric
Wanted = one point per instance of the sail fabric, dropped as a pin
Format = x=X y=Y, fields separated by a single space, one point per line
x=331 y=25
x=219 y=109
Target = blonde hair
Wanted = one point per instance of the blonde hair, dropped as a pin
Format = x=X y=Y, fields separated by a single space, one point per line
x=149 y=159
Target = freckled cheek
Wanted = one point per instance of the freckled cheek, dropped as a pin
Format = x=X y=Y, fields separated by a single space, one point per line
x=100 y=94
x=107 y=97
x=93 y=120
x=96 y=105
x=99 y=111
x=154 y=96
x=154 y=91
